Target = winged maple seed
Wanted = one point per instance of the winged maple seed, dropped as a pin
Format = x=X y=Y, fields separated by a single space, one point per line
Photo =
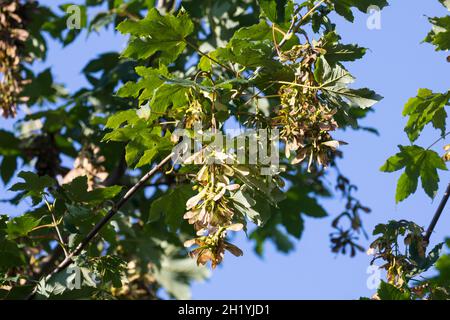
x=12 y=41
x=213 y=209
x=89 y=164
x=194 y=113
x=446 y=156
x=212 y=247
x=210 y=207
x=305 y=122
x=401 y=267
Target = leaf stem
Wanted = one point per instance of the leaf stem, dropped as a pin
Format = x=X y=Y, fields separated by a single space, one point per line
x=55 y=223
x=438 y=140
x=256 y=95
x=296 y=84
x=293 y=29
x=208 y=56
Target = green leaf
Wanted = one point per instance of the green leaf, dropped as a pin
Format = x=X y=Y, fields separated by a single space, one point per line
x=428 y=173
x=9 y=144
x=423 y=263
x=394 y=163
x=296 y=204
x=427 y=107
x=250 y=47
x=174 y=273
x=143 y=143
x=387 y=291
x=21 y=226
x=10 y=255
x=77 y=192
x=445 y=3
x=156 y=33
x=205 y=63
x=338 y=52
x=145 y=87
x=168 y=95
x=132 y=151
x=359 y=98
x=117 y=119
x=144 y=146
x=260 y=32
x=439 y=36
x=344 y=7
x=417 y=162
x=127 y=132
x=328 y=76
x=297 y=199
x=33 y=185
x=76 y=216
x=172 y=206
x=246 y=205
x=406 y=185
x=277 y=11
x=148 y=156
x=103 y=62
x=270 y=231
x=248 y=53
x=40 y=89
x=76 y=282
x=111 y=269
x=8 y=168
x=334 y=81
x=443 y=266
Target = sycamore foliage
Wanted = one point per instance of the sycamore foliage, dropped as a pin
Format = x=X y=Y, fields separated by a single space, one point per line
x=426 y=109
x=439 y=36
x=417 y=162
x=263 y=64
x=406 y=261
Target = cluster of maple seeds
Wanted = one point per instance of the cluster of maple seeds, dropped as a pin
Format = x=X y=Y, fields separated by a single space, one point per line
x=305 y=125
x=194 y=113
x=210 y=211
x=89 y=163
x=304 y=121
x=209 y=208
x=398 y=265
x=12 y=39
x=446 y=156
x=212 y=247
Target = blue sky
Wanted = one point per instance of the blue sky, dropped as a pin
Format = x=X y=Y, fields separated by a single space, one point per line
x=396 y=65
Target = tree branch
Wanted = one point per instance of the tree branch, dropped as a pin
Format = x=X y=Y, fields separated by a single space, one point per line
x=293 y=29
x=68 y=260
x=438 y=140
x=437 y=215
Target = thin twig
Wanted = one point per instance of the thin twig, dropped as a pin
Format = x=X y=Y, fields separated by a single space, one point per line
x=208 y=56
x=68 y=260
x=288 y=34
x=296 y=84
x=438 y=140
x=318 y=4
x=437 y=215
x=293 y=29
x=256 y=95
x=55 y=223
